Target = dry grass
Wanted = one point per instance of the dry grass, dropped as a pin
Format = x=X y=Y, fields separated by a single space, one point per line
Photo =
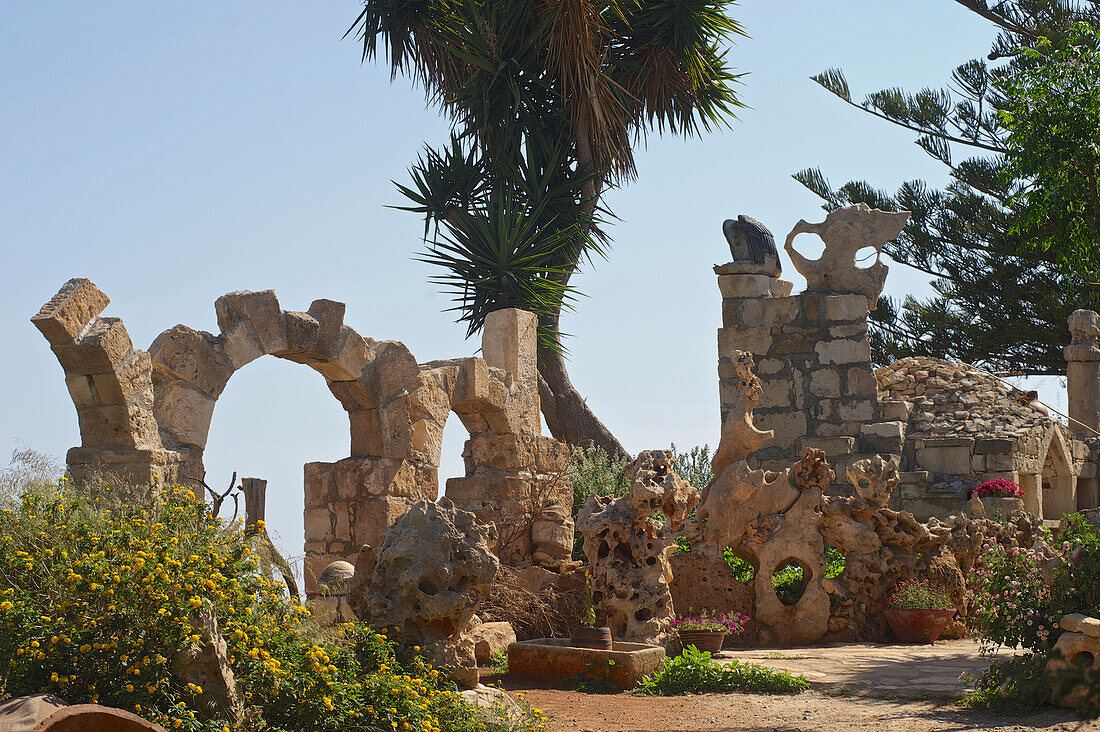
x=552 y=612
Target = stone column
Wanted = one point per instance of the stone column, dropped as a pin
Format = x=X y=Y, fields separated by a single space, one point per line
x=1083 y=373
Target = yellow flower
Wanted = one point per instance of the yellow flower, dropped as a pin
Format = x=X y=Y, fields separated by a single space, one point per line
x=5 y=605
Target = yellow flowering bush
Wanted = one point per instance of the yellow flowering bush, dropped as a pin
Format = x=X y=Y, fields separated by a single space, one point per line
x=98 y=592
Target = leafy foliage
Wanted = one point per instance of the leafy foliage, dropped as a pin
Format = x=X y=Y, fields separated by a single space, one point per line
x=919 y=594
x=546 y=100
x=694 y=465
x=593 y=472
x=693 y=671
x=1052 y=116
x=1015 y=686
x=99 y=592
x=1007 y=263
x=729 y=623
x=1015 y=607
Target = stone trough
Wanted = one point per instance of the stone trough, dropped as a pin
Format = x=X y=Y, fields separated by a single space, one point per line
x=553 y=659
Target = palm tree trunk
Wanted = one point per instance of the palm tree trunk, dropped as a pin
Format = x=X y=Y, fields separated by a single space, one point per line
x=566 y=412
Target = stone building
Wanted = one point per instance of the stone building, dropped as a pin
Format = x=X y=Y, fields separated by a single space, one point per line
x=950 y=425
x=147 y=414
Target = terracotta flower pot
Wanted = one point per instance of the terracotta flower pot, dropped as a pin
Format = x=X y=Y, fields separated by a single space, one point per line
x=918 y=624
x=586 y=637
x=704 y=640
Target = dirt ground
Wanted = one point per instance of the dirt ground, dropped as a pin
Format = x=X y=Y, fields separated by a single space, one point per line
x=813 y=710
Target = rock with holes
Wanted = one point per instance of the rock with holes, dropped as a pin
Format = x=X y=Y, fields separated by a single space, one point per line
x=1075 y=649
x=629 y=552
x=433 y=569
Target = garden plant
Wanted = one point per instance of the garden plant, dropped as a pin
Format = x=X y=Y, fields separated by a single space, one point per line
x=99 y=591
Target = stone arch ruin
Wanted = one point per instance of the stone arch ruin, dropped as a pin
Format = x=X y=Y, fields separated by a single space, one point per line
x=146 y=414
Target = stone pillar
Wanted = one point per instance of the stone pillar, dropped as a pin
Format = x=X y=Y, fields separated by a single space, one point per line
x=1083 y=373
x=1032 y=486
x=509 y=341
x=110 y=383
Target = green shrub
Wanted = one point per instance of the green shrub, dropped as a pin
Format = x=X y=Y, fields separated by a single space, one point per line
x=594 y=473
x=98 y=594
x=1015 y=686
x=919 y=594
x=694 y=465
x=693 y=671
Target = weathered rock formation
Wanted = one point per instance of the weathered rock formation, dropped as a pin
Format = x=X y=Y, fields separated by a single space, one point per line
x=628 y=551
x=428 y=577
x=845 y=231
x=144 y=414
x=775 y=521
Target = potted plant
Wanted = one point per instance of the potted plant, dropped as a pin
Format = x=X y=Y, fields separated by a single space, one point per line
x=589 y=635
x=707 y=632
x=917 y=611
x=1000 y=497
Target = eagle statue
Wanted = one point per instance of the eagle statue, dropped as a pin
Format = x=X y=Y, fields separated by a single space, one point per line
x=751 y=243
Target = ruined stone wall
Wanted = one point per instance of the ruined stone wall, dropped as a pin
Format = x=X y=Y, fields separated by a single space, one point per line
x=811 y=349
x=148 y=414
x=814 y=361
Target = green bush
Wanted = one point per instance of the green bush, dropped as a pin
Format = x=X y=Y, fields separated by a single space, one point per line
x=99 y=592
x=693 y=671
x=594 y=473
x=694 y=465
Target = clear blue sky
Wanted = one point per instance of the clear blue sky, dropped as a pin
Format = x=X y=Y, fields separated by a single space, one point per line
x=175 y=152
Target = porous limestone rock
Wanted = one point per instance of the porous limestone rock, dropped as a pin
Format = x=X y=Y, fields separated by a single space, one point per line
x=433 y=569
x=490 y=639
x=206 y=665
x=629 y=553
x=845 y=231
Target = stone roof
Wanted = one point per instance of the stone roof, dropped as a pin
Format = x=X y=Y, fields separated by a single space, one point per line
x=953 y=399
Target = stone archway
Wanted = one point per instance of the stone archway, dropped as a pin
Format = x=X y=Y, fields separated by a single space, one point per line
x=1058 y=479
x=148 y=414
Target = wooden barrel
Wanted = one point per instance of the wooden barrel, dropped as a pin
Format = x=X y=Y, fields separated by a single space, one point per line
x=599 y=638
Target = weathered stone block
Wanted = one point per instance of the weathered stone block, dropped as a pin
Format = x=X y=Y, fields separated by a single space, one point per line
x=788 y=426
x=751 y=285
x=988 y=445
x=509 y=341
x=302 y=330
x=262 y=308
x=241 y=344
x=855 y=411
x=845 y=351
x=768 y=313
x=65 y=316
x=757 y=342
x=831 y=446
x=946 y=460
x=103 y=346
x=825 y=383
x=895 y=410
x=845 y=307
x=192 y=356
x=184 y=412
x=329 y=315
x=890 y=430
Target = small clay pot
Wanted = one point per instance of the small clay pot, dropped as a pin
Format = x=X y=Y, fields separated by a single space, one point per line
x=586 y=637
x=704 y=640
x=917 y=624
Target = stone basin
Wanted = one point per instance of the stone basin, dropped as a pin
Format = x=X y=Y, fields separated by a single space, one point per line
x=553 y=659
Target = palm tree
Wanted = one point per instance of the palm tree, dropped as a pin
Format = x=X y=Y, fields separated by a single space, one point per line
x=546 y=99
